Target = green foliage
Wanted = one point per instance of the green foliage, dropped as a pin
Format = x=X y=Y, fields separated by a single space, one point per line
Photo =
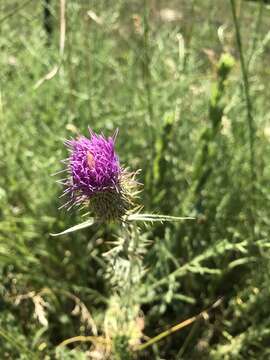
x=168 y=75
x=120 y=348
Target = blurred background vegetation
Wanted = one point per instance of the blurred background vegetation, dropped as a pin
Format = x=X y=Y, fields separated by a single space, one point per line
x=168 y=75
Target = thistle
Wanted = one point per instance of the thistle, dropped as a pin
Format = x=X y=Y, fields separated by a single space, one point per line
x=96 y=180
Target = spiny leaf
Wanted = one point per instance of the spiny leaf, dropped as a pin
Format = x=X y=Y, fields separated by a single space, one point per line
x=155 y=217
x=81 y=226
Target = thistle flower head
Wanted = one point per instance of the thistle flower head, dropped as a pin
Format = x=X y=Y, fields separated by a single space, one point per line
x=93 y=165
x=96 y=178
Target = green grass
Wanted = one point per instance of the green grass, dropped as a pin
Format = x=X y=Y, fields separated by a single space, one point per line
x=184 y=125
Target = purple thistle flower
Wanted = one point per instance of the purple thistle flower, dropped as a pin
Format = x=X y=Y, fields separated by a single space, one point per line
x=96 y=178
x=93 y=166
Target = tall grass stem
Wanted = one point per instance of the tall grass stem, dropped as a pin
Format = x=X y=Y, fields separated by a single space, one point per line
x=249 y=106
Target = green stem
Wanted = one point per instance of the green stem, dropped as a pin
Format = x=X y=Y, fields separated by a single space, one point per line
x=250 y=120
x=146 y=68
